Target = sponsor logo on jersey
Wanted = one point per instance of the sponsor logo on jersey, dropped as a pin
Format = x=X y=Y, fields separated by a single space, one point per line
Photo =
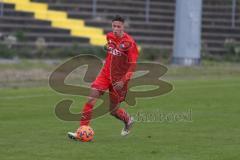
x=116 y=52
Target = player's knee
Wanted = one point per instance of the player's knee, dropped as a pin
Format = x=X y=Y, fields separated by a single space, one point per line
x=113 y=113
x=92 y=100
x=113 y=108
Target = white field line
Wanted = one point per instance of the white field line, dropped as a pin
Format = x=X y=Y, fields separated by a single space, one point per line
x=27 y=96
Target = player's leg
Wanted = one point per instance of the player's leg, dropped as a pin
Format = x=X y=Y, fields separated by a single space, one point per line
x=120 y=114
x=87 y=110
x=97 y=89
x=115 y=98
x=88 y=107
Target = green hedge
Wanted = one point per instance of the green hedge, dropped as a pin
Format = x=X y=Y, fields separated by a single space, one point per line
x=25 y=52
x=233 y=50
x=151 y=54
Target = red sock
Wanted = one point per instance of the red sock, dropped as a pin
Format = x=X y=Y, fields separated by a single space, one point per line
x=122 y=115
x=86 y=114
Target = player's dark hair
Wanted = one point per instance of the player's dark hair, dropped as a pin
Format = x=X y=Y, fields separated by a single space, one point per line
x=118 y=18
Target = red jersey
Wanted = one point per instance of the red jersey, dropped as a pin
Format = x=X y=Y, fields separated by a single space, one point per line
x=122 y=54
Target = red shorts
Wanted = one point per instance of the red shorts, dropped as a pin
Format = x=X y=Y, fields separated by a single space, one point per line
x=103 y=83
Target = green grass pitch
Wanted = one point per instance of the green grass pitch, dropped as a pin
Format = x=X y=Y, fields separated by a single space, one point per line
x=30 y=129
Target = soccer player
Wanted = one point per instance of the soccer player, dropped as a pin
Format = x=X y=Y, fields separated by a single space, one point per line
x=120 y=63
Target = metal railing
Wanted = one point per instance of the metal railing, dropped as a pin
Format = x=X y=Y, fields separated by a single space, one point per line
x=1 y=7
x=147 y=9
x=234 y=7
x=94 y=8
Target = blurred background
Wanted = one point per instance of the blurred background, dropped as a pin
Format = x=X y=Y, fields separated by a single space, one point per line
x=28 y=25
x=45 y=32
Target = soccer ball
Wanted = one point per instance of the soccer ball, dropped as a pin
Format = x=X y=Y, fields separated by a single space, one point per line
x=85 y=133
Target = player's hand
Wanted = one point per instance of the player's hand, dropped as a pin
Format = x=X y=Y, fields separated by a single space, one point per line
x=118 y=85
x=110 y=46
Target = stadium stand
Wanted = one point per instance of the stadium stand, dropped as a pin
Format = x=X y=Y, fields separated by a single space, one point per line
x=217 y=25
x=14 y=22
x=156 y=32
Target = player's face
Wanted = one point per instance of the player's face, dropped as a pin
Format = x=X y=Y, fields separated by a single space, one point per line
x=118 y=28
